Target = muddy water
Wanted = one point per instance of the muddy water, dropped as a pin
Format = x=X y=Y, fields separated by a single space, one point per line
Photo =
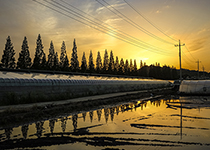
x=182 y=123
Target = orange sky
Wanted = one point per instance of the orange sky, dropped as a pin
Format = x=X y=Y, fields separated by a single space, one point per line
x=187 y=20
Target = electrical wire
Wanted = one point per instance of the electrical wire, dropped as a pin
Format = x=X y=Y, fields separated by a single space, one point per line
x=120 y=33
x=190 y=53
x=125 y=18
x=101 y=22
x=91 y=25
x=149 y=21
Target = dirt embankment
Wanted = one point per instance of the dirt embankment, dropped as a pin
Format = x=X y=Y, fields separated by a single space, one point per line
x=16 y=116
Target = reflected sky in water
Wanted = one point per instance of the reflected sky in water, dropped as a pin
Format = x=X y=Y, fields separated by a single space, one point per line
x=182 y=123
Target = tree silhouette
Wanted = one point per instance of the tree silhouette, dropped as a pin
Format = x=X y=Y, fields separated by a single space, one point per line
x=56 y=62
x=44 y=62
x=121 y=67
x=65 y=64
x=8 y=59
x=111 y=63
x=106 y=62
x=135 y=67
x=91 y=64
x=51 y=56
x=116 y=65
x=98 y=63
x=24 y=60
x=141 y=64
x=24 y=130
x=74 y=58
x=84 y=63
x=131 y=66
x=144 y=71
x=39 y=54
x=64 y=61
x=126 y=68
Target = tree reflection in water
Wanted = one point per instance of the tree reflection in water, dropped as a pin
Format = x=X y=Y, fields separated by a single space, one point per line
x=84 y=115
x=107 y=111
x=106 y=114
x=8 y=132
x=91 y=115
x=39 y=128
x=112 y=110
x=24 y=130
x=99 y=112
x=118 y=109
x=52 y=125
x=74 y=120
x=63 y=123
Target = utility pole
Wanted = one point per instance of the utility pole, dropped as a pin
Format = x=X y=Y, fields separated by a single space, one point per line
x=203 y=71
x=180 y=62
x=198 y=66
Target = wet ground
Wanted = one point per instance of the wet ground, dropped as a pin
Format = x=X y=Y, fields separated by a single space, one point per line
x=182 y=123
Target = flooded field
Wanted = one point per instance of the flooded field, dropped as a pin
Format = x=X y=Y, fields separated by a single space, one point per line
x=182 y=123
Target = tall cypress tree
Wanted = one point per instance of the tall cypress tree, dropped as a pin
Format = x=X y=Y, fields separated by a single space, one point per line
x=106 y=61
x=131 y=66
x=135 y=68
x=98 y=63
x=50 y=62
x=121 y=67
x=91 y=64
x=111 y=62
x=84 y=63
x=56 y=62
x=116 y=65
x=39 y=54
x=141 y=64
x=44 y=62
x=24 y=60
x=74 y=58
x=8 y=59
x=64 y=61
x=66 y=64
x=126 y=68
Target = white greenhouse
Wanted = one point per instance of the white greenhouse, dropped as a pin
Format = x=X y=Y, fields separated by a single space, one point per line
x=195 y=87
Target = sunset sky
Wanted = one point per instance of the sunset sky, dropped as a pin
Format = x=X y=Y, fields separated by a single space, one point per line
x=153 y=26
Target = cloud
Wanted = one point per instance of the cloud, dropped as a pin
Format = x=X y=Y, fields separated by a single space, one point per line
x=116 y=6
x=158 y=12
x=198 y=44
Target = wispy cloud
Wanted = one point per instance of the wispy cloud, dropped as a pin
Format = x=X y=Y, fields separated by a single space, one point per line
x=198 y=44
x=117 y=6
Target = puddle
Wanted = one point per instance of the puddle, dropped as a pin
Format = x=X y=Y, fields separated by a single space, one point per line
x=183 y=123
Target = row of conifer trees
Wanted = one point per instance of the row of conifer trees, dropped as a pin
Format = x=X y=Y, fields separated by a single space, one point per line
x=52 y=62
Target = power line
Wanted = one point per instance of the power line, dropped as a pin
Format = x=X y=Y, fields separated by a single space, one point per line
x=189 y=52
x=121 y=33
x=125 y=40
x=149 y=21
x=187 y=57
x=187 y=61
x=122 y=16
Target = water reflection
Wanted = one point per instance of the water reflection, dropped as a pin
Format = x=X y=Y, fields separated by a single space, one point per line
x=106 y=114
x=91 y=116
x=8 y=132
x=52 y=124
x=99 y=112
x=112 y=110
x=74 y=121
x=39 y=128
x=84 y=115
x=24 y=130
x=151 y=118
x=63 y=123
